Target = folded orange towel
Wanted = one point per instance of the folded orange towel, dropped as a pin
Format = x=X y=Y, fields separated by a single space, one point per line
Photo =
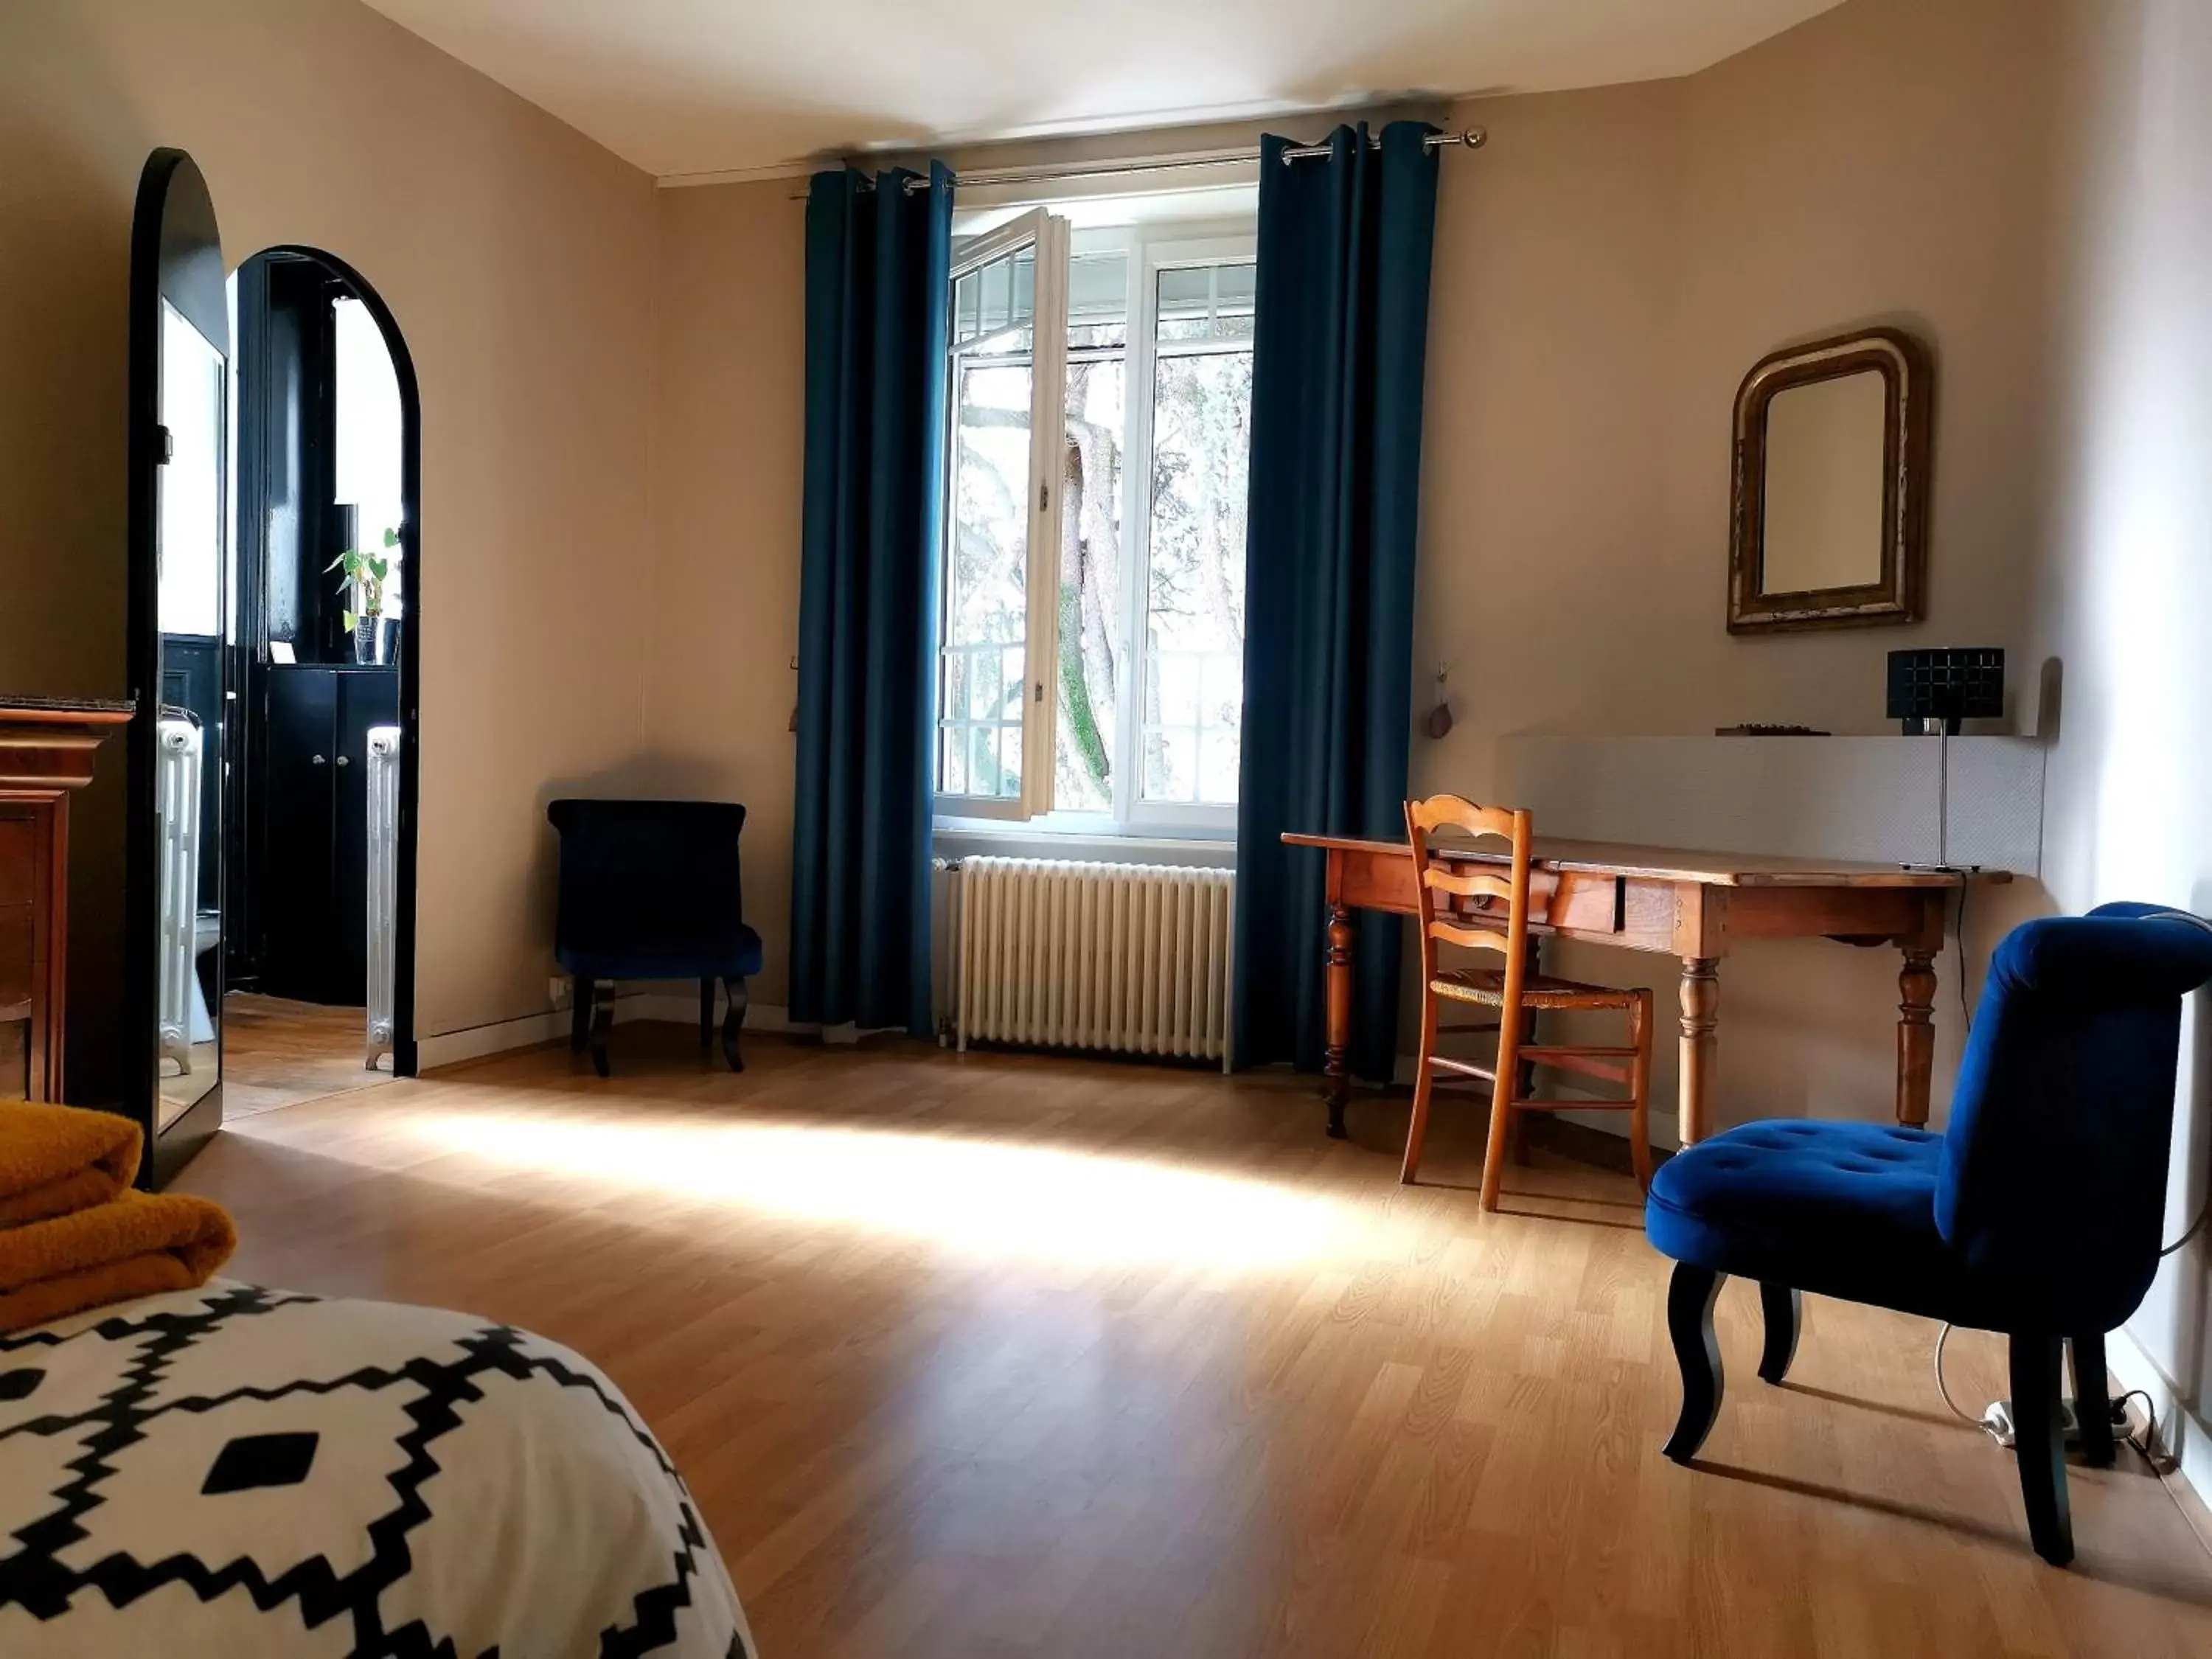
x=134 y=1245
x=54 y=1159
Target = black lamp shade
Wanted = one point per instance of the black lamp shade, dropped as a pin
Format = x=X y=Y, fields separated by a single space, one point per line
x=1954 y=683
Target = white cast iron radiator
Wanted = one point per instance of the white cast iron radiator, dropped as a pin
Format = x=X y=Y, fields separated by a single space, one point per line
x=177 y=805
x=1129 y=958
x=383 y=884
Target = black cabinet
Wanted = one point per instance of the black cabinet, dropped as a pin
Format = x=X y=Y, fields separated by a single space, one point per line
x=314 y=885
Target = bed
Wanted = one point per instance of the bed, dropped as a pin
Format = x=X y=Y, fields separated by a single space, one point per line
x=235 y=1471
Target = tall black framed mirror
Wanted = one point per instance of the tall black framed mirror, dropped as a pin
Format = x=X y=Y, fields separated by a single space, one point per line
x=177 y=610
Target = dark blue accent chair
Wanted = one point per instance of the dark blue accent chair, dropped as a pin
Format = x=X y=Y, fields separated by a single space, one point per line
x=650 y=889
x=2036 y=1213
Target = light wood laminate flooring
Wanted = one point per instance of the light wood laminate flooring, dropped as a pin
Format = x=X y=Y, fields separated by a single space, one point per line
x=993 y=1355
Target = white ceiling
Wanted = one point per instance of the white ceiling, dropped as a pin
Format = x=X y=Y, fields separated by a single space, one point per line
x=707 y=86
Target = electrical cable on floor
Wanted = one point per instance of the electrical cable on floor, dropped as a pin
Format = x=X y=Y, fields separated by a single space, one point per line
x=2143 y=1442
x=1966 y=1011
x=1943 y=1388
x=2194 y=1227
x=2148 y=1438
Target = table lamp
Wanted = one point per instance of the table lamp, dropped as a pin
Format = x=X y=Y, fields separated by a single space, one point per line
x=1932 y=691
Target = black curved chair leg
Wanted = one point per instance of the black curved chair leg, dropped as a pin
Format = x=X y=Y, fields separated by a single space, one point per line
x=733 y=1022
x=2040 y=1443
x=1689 y=1297
x=2092 y=1400
x=581 y=993
x=1783 y=1310
x=602 y=1020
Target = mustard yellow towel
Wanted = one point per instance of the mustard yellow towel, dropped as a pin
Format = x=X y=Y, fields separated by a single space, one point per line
x=134 y=1245
x=54 y=1159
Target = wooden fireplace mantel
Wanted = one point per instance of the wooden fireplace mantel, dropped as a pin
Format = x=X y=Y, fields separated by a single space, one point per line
x=46 y=752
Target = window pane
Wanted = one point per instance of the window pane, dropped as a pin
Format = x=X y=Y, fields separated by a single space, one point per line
x=1194 y=612
x=193 y=384
x=986 y=614
x=995 y=306
x=1090 y=583
x=1174 y=688
x=1216 y=765
x=1171 y=765
x=952 y=695
x=982 y=760
x=1207 y=302
x=967 y=299
x=986 y=589
x=998 y=295
x=1098 y=299
x=952 y=761
x=365 y=458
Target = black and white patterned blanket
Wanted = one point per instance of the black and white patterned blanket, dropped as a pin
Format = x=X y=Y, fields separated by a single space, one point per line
x=237 y=1472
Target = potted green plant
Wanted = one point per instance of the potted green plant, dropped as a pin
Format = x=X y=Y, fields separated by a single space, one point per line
x=361 y=580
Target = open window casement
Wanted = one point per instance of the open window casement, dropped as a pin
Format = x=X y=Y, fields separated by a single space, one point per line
x=1099 y=394
x=1005 y=369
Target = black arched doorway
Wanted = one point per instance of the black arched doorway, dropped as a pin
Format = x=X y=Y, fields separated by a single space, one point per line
x=323 y=663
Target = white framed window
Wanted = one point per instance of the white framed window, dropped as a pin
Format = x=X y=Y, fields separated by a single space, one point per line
x=1091 y=658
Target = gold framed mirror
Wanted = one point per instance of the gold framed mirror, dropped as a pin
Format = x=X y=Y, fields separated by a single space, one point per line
x=1829 y=525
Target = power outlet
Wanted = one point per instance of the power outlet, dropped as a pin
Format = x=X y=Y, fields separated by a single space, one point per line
x=1997 y=1422
x=559 y=989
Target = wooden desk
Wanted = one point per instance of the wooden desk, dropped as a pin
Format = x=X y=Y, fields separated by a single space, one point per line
x=1691 y=906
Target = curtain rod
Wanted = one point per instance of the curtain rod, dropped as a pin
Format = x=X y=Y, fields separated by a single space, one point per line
x=1470 y=138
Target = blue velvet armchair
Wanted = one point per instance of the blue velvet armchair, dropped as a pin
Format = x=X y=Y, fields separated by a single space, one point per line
x=2037 y=1213
x=650 y=889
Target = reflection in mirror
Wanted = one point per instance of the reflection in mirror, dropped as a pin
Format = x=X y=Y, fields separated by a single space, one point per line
x=1824 y=494
x=1829 y=525
x=191 y=539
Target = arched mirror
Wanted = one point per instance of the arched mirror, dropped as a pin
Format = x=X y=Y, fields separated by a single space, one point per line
x=179 y=382
x=324 y=624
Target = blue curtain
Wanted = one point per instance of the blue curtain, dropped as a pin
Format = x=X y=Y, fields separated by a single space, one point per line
x=1336 y=458
x=877 y=259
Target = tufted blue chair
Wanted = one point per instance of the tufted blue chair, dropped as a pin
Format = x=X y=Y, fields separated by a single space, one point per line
x=650 y=889
x=2037 y=1213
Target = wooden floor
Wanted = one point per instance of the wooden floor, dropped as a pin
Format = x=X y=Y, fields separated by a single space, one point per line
x=992 y=1356
x=176 y=1091
x=276 y=1053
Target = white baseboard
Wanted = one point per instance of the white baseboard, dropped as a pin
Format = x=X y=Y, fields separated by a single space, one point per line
x=475 y=1041
x=2182 y=1435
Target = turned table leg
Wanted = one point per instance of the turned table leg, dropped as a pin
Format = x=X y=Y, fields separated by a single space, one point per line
x=1915 y=1035
x=1701 y=1008
x=1335 y=1068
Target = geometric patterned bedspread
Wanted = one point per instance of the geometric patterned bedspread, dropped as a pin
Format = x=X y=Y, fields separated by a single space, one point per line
x=233 y=1472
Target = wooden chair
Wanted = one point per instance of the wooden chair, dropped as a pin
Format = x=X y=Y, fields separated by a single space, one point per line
x=1453 y=892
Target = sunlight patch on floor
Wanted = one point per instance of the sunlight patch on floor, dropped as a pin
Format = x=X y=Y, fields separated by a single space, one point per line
x=991 y=1198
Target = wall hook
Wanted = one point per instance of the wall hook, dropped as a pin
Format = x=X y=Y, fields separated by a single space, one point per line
x=1439 y=723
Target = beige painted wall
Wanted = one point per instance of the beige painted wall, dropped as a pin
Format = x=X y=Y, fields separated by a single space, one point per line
x=2125 y=592
x=728 y=453
x=1606 y=273
x=2025 y=183
x=517 y=258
